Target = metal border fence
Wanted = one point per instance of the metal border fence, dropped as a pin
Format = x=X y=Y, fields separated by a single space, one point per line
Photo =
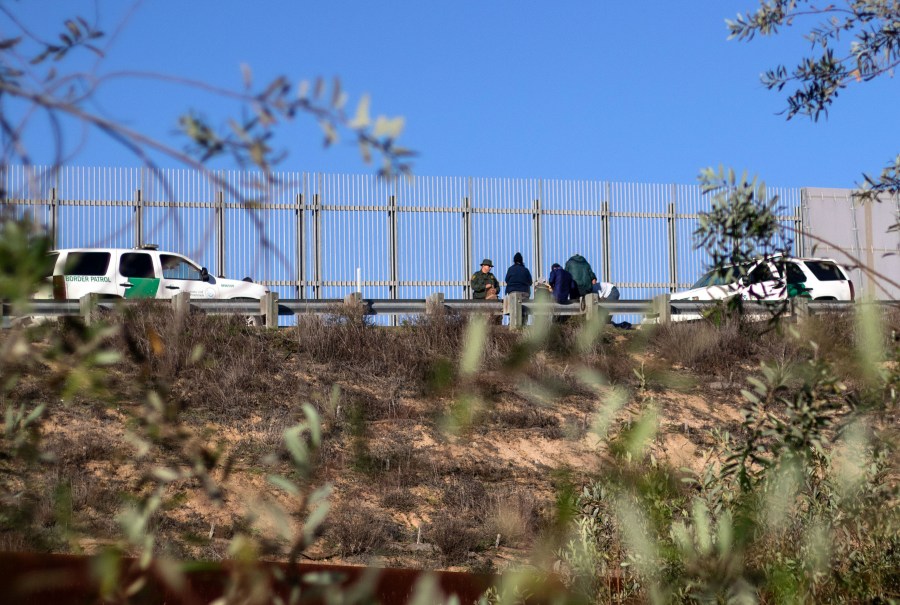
x=306 y=235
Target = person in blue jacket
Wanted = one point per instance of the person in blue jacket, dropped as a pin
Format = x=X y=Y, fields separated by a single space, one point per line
x=561 y=284
x=518 y=277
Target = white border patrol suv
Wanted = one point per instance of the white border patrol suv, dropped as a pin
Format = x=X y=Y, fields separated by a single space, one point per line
x=776 y=278
x=139 y=273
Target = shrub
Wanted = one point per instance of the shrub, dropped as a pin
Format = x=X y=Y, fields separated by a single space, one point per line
x=354 y=530
x=454 y=537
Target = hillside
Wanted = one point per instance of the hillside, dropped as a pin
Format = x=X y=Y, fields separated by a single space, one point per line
x=432 y=466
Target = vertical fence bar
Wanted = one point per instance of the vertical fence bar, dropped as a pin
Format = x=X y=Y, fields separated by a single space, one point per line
x=299 y=247
x=467 y=238
x=54 y=217
x=673 y=241
x=607 y=247
x=317 y=237
x=138 y=218
x=537 y=237
x=393 y=251
x=804 y=218
x=220 y=232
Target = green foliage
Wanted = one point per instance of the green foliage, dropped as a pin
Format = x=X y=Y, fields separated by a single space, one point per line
x=868 y=29
x=742 y=224
x=852 y=41
x=23 y=261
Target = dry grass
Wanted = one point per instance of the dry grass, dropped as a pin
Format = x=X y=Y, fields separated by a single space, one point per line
x=513 y=516
x=454 y=536
x=355 y=530
x=396 y=384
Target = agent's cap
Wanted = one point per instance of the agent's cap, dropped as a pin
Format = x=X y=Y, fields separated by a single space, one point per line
x=487 y=262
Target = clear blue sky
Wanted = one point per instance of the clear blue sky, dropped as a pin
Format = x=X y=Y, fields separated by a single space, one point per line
x=624 y=91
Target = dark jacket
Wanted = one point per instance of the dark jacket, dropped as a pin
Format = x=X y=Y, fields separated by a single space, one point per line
x=562 y=283
x=518 y=279
x=479 y=284
x=582 y=273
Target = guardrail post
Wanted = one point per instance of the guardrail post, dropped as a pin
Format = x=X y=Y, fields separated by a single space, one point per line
x=800 y=309
x=182 y=305
x=434 y=304
x=590 y=305
x=268 y=307
x=87 y=304
x=514 y=308
x=662 y=307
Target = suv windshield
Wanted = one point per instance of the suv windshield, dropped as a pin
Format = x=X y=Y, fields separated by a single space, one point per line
x=729 y=275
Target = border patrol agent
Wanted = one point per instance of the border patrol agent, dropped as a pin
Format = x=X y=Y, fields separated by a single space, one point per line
x=484 y=283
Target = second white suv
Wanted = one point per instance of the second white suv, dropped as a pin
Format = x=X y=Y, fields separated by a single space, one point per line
x=771 y=279
x=776 y=278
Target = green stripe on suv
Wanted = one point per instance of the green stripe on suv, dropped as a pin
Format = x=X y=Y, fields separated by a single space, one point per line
x=142 y=287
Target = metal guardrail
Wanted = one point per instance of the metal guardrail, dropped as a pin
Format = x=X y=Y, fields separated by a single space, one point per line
x=517 y=308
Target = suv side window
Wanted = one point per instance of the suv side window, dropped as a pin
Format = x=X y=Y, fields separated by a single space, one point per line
x=794 y=274
x=760 y=274
x=175 y=267
x=136 y=264
x=825 y=271
x=86 y=263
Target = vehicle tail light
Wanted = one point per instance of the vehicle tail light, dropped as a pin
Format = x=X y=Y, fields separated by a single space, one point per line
x=852 y=290
x=59 y=287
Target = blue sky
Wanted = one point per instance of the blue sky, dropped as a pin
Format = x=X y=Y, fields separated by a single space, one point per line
x=623 y=91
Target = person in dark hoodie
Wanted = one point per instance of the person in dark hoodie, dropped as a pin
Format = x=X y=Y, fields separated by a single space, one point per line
x=584 y=276
x=561 y=283
x=518 y=277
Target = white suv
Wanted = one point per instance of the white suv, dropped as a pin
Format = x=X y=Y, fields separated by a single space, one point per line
x=139 y=273
x=776 y=278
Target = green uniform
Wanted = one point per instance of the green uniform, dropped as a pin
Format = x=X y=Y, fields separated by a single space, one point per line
x=479 y=284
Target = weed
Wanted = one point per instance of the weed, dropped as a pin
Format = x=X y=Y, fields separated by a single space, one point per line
x=355 y=530
x=454 y=537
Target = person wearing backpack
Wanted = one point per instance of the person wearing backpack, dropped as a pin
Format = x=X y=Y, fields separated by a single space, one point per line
x=581 y=272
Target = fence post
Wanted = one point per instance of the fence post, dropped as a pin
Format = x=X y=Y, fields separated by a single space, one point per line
x=467 y=238
x=54 y=218
x=434 y=304
x=87 y=304
x=301 y=260
x=393 y=247
x=538 y=260
x=673 y=242
x=220 y=232
x=605 y=227
x=182 y=305
x=268 y=307
x=514 y=308
x=317 y=236
x=138 y=218
x=800 y=309
x=662 y=307
x=802 y=219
